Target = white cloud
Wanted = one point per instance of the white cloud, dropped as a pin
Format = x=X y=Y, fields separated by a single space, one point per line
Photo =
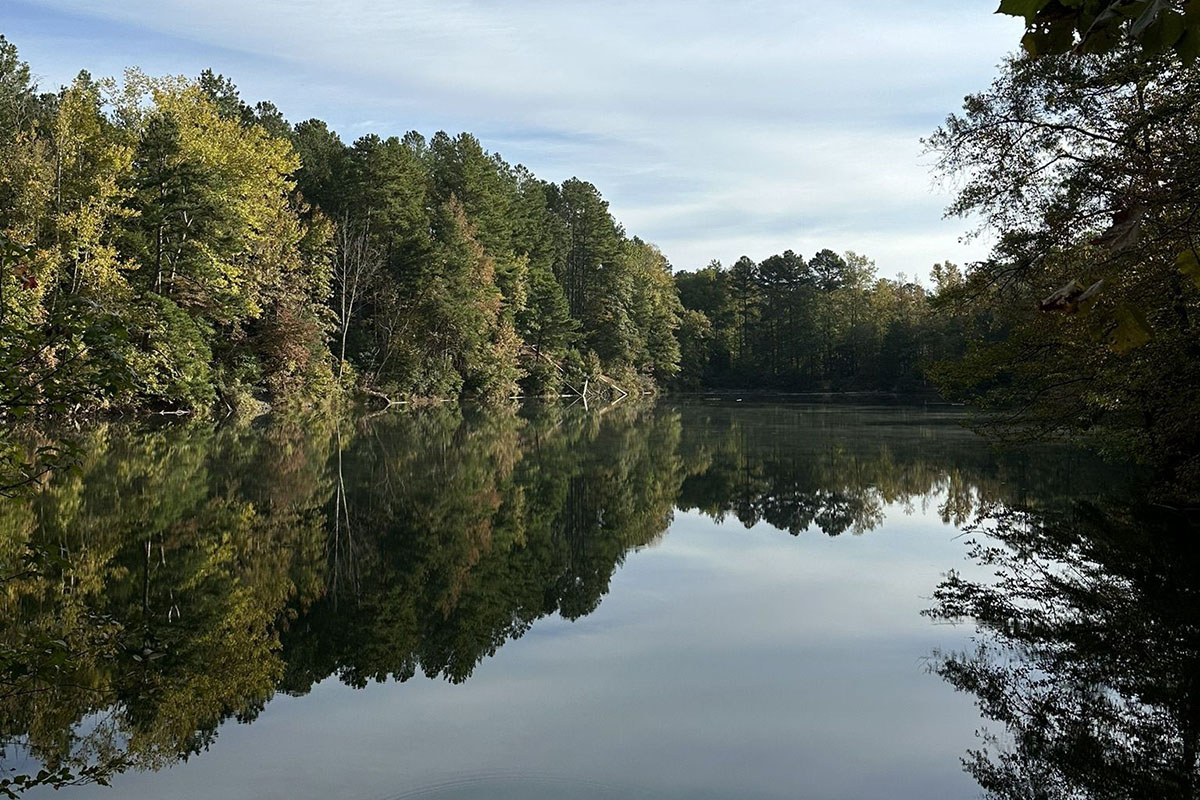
x=713 y=128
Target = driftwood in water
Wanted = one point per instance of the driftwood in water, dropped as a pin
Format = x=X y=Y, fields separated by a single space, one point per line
x=387 y=400
x=562 y=372
x=613 y=384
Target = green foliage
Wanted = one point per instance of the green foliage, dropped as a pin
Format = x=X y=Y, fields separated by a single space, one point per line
x=1055 y=27
x=162 y=257
x=545 y=322
x=1086 y=169
x=825 y=324
x=174 y=366
x=209 y=229
x=695 y=336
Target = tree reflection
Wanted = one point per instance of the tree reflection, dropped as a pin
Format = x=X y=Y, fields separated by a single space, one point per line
x=154 y=582
x=185 y=574
x=836 y=470
x=1087 y=652
x=468 y=531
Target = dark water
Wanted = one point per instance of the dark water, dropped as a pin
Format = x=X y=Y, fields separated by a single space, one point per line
x=697 y=600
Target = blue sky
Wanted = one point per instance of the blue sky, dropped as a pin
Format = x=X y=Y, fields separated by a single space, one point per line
x=715 y=129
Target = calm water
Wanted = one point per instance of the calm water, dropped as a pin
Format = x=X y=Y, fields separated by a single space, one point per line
x=697 y=600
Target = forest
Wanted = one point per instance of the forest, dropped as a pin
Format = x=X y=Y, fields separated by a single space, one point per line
x=826 y=324
x=261 y=261
x=169 y=247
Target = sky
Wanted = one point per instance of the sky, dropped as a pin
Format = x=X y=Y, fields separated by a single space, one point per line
x=714 y=129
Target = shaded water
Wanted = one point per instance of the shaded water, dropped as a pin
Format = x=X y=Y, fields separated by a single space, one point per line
x=693 y=600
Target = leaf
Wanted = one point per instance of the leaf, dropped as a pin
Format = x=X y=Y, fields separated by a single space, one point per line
x=1149 y=17
x=1125 y=229
x=1161 y=36
x=1189 y=264
x=1132 y=330
x=1022 y=8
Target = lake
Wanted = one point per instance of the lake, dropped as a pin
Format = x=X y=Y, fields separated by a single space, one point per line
x=694 y=599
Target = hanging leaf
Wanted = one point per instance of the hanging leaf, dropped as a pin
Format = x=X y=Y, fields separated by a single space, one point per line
x=1131 y=331
x=1189 y=264
x=1125 y=229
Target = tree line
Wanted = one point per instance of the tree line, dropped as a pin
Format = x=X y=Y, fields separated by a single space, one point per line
x=828 y=323
x=169 y=246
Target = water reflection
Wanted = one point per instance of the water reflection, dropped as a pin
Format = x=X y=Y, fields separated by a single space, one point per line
x=835 y=469
x=454 y=536
x=144 y=595
x=1088 y=651
x=184 y=575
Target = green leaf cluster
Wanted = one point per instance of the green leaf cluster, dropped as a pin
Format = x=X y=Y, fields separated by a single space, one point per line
x=1155 y=27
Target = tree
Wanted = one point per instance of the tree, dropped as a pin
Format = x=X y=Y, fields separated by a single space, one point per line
x=595 y=278
x=460 y=168
x=1086 y=168
x=545 y=323
x=324 y=179
x=695 y=336
x=783 y=278
x=469 y=332
x=174 y=199
x=743 y=291
x=654 y=311
x=357 y=261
